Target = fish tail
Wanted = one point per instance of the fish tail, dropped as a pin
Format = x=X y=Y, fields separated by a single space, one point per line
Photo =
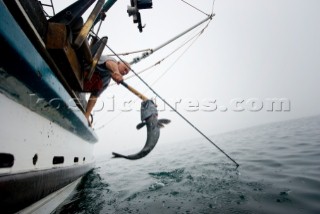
x=117 y=155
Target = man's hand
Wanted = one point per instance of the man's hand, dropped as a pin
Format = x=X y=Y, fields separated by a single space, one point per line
x=117 y=77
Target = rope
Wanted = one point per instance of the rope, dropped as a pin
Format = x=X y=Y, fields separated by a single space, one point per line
x=195 y=8
x=177 y=112
x=166 y=71
x=166 y=57
x=195 y=39
x=197 y=35
x=173 y=109
x=213 y=6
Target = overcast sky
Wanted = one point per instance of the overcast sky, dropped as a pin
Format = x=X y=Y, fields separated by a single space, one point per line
x=251 y=52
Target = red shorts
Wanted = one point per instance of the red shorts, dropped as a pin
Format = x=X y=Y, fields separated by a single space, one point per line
x=95 y=84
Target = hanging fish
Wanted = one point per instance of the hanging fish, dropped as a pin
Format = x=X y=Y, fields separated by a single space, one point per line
x=149 y=118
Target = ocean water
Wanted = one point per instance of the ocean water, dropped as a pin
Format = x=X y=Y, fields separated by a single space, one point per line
x=279 y=173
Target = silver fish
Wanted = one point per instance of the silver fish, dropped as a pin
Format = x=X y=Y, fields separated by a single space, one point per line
x=149 y=117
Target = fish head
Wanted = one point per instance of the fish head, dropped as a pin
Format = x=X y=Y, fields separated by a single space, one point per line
x=148 y=108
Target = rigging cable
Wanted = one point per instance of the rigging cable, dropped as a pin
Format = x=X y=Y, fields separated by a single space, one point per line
x=195 y=8
x=176 y=111
x=195 y=37
x=148 y=53
x=213 y=6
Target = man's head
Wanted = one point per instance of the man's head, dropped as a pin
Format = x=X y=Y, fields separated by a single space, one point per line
x=124 y=67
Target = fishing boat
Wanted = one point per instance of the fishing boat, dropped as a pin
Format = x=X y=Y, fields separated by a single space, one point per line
x=46 y=142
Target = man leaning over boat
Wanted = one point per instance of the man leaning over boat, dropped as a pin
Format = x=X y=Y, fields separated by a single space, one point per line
x=106 y=69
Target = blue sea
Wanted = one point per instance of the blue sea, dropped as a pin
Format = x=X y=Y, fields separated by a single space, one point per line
x=279 y=173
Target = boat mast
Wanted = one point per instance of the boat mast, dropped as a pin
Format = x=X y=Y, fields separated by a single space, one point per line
x=151 y=51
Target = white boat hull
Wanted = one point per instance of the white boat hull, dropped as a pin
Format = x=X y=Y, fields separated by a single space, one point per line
x=35 y=143
x=25 y=134
x=46 y=143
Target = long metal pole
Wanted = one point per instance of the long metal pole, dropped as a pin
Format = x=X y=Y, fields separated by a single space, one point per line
x=168 y=104
x=151 y=51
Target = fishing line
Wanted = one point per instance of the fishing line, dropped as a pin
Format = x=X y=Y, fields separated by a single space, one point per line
x=173 y=109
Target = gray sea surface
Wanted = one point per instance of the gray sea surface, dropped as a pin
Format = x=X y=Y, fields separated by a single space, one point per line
x=279 y=173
